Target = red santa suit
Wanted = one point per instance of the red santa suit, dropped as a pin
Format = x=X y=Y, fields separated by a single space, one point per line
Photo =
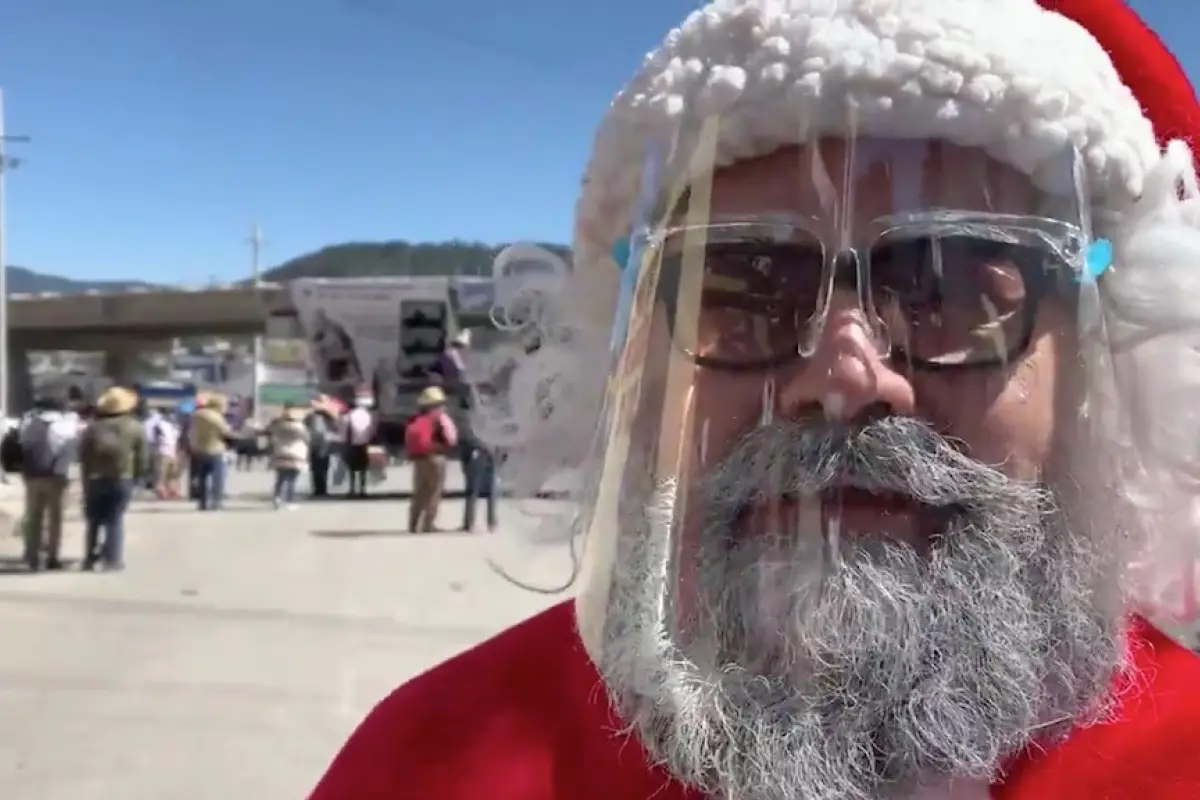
x=525 y=716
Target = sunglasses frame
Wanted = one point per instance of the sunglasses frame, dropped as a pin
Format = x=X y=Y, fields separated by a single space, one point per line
x=1058 y=266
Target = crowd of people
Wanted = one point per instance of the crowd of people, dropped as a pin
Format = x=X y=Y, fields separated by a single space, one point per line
x=109 y=444
x=120 y=446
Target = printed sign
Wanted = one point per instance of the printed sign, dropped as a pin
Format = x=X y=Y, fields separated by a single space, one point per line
x=354 y=332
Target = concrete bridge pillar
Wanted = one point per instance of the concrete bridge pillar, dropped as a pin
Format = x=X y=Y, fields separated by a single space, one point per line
x=20 y=380
x=121 y=364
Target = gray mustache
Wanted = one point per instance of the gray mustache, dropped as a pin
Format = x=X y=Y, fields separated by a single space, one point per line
x=894 y=454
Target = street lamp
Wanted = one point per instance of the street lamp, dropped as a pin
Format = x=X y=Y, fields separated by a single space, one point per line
x=6 y=163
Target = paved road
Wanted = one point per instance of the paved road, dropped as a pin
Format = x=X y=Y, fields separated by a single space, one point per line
x=239 y=647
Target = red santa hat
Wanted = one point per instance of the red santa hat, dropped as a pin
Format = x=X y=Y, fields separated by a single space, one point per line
x=1019 y=79
x=1142 y=62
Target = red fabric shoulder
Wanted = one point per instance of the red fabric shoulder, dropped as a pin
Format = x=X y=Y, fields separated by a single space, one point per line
x=474 y=727
x=1150 y=752
x=523 y=716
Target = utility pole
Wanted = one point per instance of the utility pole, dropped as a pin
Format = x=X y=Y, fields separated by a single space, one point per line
x=6 y=163
x=256 y=242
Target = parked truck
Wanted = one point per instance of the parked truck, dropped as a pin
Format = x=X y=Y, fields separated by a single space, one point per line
x=387 y=335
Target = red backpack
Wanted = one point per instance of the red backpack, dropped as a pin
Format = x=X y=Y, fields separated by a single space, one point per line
x=420 y=435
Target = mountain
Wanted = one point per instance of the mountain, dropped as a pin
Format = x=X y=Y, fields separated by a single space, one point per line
x=395 y=258
x=26 y=281
x=351 y=259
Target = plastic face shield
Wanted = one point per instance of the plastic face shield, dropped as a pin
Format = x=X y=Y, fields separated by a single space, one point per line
x=844 y=357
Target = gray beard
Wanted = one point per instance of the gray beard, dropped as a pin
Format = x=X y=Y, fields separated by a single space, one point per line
x=864 y=669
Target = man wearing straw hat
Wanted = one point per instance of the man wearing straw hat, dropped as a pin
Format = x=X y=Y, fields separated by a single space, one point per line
x=427 y=438
x=208 y=443
x=113 y=453
x=323 y=433
x=896 y=476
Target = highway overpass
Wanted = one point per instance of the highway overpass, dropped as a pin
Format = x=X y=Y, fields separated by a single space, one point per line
x=81 y=321
x=121 y=324
x=89 y=321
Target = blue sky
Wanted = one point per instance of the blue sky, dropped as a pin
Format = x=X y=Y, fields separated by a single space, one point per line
x=162 y=131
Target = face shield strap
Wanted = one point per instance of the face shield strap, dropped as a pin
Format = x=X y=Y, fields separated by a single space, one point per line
x=626 y=464
x=628 y=252
x=1094 y=257
x=680 y=370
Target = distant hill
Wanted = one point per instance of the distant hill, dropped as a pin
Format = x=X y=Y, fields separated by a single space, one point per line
x=351 y=259
x=395 y=258
x=26 y=281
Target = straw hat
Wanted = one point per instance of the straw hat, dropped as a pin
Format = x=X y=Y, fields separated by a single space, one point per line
x=116 y=400
x=326 y=404
x=296 y=413
x=211 y=400
x=432 y=396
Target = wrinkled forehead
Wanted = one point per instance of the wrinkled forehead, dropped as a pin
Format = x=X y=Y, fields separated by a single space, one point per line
x=837 y=181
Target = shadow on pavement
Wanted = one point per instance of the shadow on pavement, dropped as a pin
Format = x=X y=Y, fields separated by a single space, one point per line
x=338 y=497
x=359 y=534
x=449 y=494
x=148 y=503
x=180 y=508
x=13 y=565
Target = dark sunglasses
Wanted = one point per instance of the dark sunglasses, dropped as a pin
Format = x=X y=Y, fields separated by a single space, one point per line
x=945 y=297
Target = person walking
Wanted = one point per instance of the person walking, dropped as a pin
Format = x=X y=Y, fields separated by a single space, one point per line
x=479 y=475
x=427 y=438
x=209 y=443
x=289 y=453
x=150 y=418
x=359 y=432
x=188 y=467
x=321 y=424
x=451 y=364
x=244 y=449
x=113 y=453
x=166 y=458
x=48 y=440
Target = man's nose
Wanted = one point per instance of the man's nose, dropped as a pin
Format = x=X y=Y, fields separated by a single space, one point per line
x=850 y=370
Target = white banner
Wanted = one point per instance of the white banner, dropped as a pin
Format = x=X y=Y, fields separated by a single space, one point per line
x=352 y=327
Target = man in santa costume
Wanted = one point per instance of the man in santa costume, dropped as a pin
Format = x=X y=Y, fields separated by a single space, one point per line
x=897 y=453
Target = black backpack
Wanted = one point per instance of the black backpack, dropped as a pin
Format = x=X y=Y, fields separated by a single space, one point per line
x=10 y=450
x=40 y=456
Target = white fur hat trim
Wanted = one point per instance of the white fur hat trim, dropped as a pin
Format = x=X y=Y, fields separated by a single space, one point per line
x=1007 y=76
